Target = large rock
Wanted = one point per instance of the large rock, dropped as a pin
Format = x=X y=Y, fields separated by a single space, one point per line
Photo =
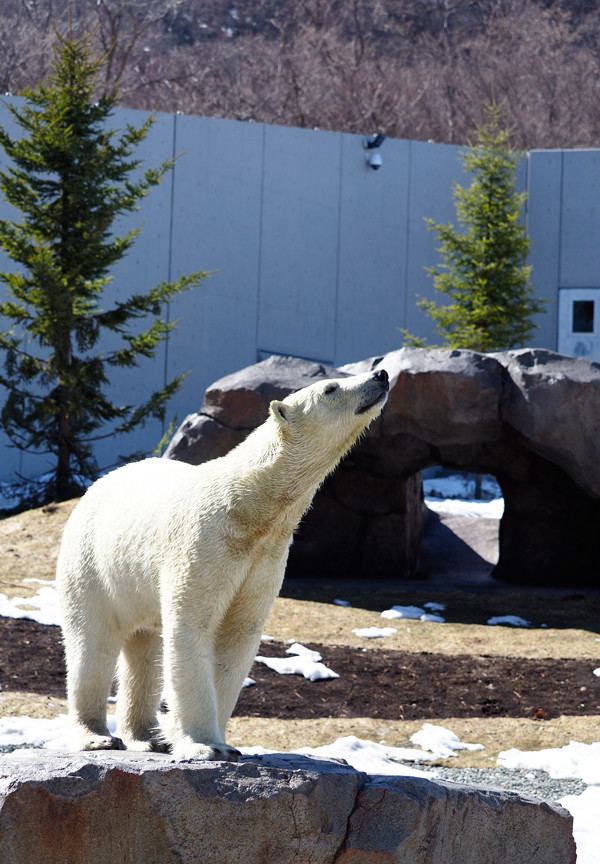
x=529 y=417
x=441 y=397
x=553 y=403
x=94 y=808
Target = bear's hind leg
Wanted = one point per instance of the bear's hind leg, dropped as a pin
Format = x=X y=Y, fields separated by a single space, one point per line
x=91 y=665
x=138 y=695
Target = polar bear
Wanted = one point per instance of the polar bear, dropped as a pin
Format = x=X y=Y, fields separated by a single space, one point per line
x=175 y=567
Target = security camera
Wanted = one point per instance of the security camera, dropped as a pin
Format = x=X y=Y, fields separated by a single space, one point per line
x=374 y=160
x=372 y=146
x=374 y=141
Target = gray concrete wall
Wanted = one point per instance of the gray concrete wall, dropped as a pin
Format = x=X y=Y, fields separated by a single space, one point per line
x=314 y=253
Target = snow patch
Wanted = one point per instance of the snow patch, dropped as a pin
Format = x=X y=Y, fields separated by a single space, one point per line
x=375 y=632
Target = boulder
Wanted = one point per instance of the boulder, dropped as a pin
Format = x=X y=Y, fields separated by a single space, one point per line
x=530 y=417
x=552 y=403
x=441 y=396
x=92 y=808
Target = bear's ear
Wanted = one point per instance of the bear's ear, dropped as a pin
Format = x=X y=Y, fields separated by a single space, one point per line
x=279 y=412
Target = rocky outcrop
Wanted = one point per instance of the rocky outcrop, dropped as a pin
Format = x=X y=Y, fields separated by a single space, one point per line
x=93 y=808
x=529 y=417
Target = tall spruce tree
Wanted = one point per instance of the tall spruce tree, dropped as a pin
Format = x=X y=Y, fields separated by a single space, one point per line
x=70 y=176
x=483 y=270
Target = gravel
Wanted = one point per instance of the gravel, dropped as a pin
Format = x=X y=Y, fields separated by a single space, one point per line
x=535 y=784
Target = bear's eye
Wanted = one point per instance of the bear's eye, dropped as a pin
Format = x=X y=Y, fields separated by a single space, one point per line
x=331 y=389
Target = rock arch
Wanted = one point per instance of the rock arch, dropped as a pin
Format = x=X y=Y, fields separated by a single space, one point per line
x=529 y=417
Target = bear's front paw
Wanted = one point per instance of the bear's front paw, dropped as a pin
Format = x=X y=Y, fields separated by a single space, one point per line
x=102 y=742
x=217 y=752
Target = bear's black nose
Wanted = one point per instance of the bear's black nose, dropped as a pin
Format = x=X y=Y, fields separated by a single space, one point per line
x=382 y=377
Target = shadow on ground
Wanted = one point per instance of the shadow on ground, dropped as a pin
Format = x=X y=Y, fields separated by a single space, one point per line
x=456 y=564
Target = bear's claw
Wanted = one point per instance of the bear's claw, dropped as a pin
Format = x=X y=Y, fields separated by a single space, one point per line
x=103 y=742
x=207 y=753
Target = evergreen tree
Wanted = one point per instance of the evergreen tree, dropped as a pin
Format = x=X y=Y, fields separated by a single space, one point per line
x=71 y=176
x=484 y=271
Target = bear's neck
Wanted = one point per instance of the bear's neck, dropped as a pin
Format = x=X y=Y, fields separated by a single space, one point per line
x=275 y=484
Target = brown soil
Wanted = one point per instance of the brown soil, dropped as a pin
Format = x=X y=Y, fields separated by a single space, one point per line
x=31 y=657
x=382 y=684
x=394 y=685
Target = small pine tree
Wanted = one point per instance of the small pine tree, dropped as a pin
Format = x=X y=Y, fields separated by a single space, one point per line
x=484 y=271
x=70 y=176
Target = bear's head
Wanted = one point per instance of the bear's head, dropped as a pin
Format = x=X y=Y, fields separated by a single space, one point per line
x=331 y=414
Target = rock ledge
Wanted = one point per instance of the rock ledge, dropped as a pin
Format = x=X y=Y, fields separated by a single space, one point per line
x=92 y=808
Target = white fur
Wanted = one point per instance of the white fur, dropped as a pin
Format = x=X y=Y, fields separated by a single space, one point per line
x=175 y=569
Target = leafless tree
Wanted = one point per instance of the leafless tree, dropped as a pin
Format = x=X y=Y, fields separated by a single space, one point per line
x=409 y=68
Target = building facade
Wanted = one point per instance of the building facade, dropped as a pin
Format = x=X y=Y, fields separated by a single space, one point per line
x=315 y=253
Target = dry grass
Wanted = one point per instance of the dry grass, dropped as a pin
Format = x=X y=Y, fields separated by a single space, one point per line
x=29 y=546
x=308 y=621
x=19 y=704
x=495 y=733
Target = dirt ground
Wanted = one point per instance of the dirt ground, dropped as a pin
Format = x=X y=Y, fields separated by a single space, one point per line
x=385 y=684
x=524 y=687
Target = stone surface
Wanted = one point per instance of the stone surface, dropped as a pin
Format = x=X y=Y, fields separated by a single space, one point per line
x=553 y=403
x=93 y=808
x=529 y=417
